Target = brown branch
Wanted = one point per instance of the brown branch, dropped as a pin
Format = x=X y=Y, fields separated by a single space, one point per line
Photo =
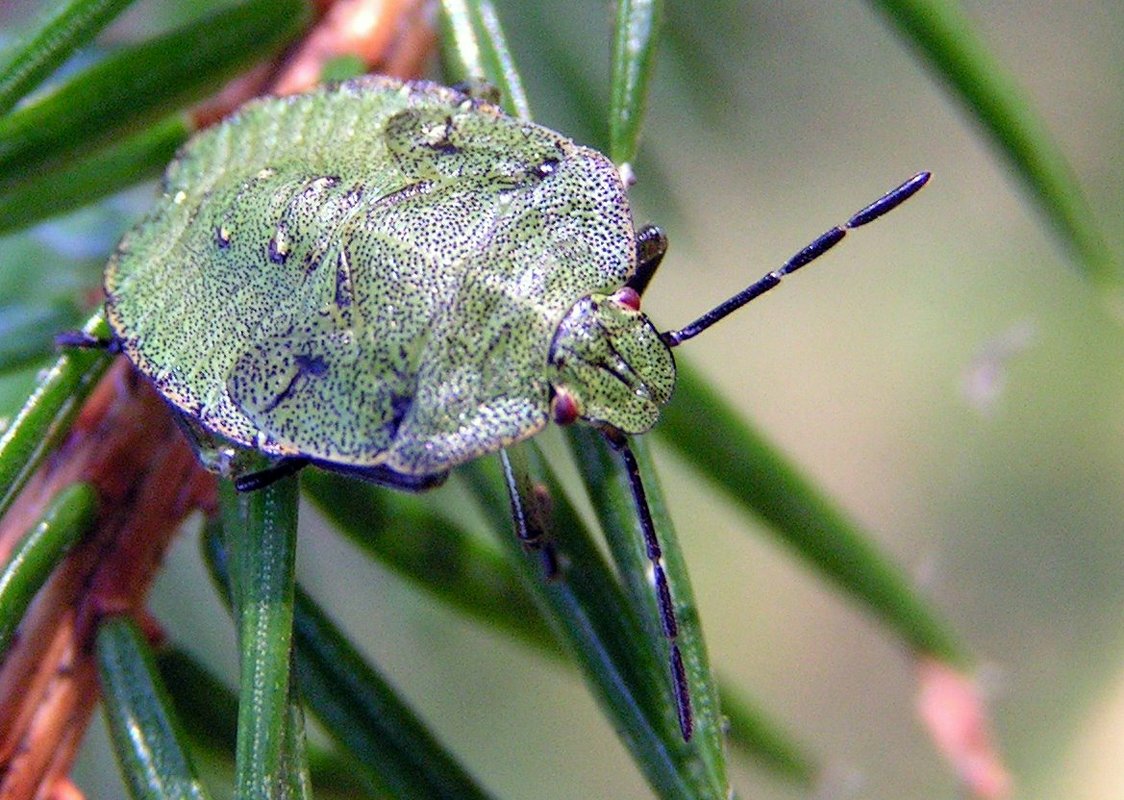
x=127 y=447
x=394 y=37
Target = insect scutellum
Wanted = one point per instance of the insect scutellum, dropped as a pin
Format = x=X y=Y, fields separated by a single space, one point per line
x=651 y=246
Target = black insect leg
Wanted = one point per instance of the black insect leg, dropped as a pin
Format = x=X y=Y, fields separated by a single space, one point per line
x=529 y=516
x=668 y=620
x=253 y=481
x=651 y=244
x=87 y=341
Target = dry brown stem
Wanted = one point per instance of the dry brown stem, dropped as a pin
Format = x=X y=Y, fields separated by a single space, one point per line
x=127 y=447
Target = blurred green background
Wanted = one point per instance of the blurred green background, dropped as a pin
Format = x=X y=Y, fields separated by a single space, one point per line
x=946 y=375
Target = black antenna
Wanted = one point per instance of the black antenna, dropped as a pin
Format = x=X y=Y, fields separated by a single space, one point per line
x=886 y=203
x=668 y=620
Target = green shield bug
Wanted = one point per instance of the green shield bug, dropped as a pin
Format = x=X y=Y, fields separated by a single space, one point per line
x=388 y=279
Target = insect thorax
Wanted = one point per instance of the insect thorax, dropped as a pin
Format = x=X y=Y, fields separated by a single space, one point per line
x=609 y=359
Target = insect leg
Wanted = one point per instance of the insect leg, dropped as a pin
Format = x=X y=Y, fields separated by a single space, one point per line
x=253 y=481
x=530 y=529
x=886 y=203
x=651 y=244
x=87 y=341
x=668 y=619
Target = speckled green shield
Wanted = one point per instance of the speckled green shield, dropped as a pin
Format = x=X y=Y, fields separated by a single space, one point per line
x=373 y=275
